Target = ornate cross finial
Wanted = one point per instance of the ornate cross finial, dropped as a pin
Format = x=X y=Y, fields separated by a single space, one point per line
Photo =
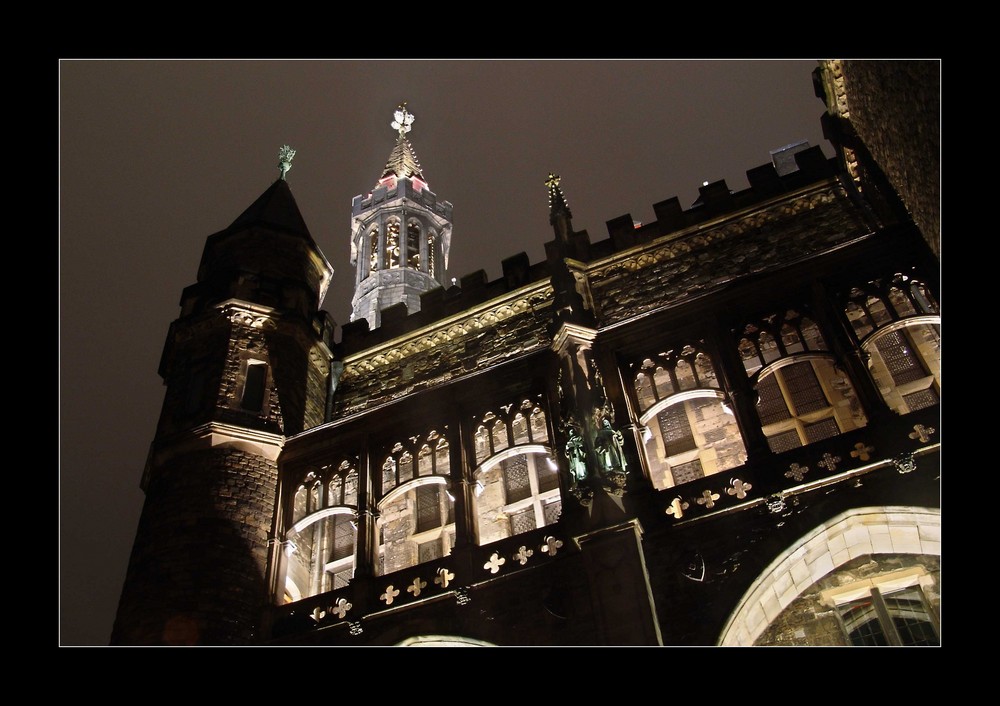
x=403 y=119
x=285 y=156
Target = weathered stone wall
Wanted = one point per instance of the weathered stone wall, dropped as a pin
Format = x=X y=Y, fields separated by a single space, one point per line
x=895 y=108
x=512 y=328
x=197 y=571
x=676 y=268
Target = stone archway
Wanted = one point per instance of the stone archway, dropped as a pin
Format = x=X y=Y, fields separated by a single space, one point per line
x=442 y=641
x=854 y=533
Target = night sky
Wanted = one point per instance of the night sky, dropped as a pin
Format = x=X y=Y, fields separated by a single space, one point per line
x=155 y=156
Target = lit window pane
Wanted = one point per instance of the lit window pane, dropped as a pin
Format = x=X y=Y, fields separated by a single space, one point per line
x=676 y=429
x=771 y=407
x=921 y=400
x=515 y=478
x=785 y=441
x=821 y=430
x=428 y=508
x=686 y=472
x=523 y=521
x=804 y=389
x=899 y=358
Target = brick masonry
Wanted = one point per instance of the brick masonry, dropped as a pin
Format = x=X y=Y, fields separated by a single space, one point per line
x=895 y=108
x=197 y=570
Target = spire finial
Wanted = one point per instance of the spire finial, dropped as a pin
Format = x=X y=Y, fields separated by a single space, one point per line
x=557 y=200
x=404 y=119
x=285 y=155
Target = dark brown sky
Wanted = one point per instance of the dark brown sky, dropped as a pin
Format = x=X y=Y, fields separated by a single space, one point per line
x=155 y=156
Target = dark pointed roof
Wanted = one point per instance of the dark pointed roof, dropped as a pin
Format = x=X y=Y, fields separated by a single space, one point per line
x=402 y=161
x=276 y=209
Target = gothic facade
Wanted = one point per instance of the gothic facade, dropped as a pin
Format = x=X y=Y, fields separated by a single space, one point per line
x=718 y=428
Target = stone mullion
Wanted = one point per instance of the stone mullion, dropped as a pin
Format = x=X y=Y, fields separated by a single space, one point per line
x=367 y=514
x=835 y=328
x=460 y=448
x=732 y=374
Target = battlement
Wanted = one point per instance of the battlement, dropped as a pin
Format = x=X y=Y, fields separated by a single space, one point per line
x=413 y=190
x=470 y=290
x=715 y=201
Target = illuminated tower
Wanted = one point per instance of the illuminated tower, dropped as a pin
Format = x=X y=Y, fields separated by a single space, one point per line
x=400 y=235
x=245 y=365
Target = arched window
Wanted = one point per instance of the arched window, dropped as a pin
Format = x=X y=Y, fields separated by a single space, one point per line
x=898 y=618
x=689 y=429
x=905 y=362
x=803 y=397
x=320 y=543
x=415 y=457
x=517 y=479
x=413 y=245
x=897 y=325
x=416 y=521
x=431 y=257
x=416 y=524
x=392 y=244
x=373 y=249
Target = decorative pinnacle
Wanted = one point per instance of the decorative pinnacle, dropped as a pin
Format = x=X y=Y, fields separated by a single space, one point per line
x=557 y=200
x=404 y=119
x=285 y=156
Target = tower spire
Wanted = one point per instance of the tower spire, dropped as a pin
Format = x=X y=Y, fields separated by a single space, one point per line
x=559 y=214
x=401 y=234
x=402 y=162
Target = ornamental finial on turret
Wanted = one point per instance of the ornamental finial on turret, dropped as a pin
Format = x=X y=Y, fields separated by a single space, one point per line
x=404 y=119
x=557 y=200
x=285 y=155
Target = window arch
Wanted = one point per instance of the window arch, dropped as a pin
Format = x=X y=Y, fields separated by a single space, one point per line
x=373 y=249
x=896 y=323
x=516 y=478
x=416 y=523
x=414 y=457
x=392 y=244
x=689 y=431
x=413 y=239
x=320 y=543
x=802 y=396
x=416 y=519
x=431 y=254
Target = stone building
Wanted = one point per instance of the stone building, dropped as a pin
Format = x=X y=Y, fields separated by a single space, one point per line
x=718 y=428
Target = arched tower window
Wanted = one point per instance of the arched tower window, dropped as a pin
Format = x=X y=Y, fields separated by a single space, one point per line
x=392 y=246
x=413 y=245
x=431 y=256
x=373 y=249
